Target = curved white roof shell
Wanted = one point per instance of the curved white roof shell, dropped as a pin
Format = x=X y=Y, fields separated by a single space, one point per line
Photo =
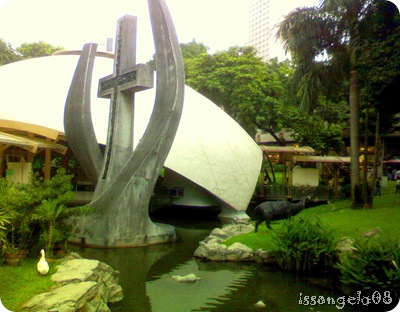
x=210 y=148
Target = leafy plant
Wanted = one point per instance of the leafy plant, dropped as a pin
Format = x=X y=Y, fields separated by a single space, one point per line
x=4 y=220
x=32 y=209
x=373 y=266
x=10 y=215
x=304 y=244
x=49 y=214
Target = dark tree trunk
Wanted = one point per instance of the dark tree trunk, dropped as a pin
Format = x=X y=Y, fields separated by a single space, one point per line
x=356 y=201
x=365 y=163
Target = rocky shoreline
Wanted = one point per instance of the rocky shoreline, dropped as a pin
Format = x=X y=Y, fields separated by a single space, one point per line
x=213 y=249
x=82 y=285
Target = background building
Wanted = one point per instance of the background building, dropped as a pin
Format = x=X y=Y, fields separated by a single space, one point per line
x=264 y=16
x=260 y=27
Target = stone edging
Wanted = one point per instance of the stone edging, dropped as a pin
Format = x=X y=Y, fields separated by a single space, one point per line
x=82 y=285
x=211 y=248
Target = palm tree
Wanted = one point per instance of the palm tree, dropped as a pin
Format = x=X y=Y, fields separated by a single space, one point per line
x=326 y=41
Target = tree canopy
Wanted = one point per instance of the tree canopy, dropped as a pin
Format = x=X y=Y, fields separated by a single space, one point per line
x=37 y=49
x=7 y=53
x=243 y=85
x=331 y=45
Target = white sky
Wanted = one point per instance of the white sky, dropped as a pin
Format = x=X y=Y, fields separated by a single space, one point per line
x=219 y=24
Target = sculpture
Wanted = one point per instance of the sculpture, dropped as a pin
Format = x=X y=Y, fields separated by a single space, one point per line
x=124 y=178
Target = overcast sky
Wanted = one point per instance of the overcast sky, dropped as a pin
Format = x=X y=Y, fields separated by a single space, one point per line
x=219 y=24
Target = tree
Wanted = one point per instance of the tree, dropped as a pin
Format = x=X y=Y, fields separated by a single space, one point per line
x=312 y=130
x=193 y=49
x=326 y=43
x=190 y=52
x=7 y=53
x=380 y=74
x=249 y=90
x=255 y=94
x=37 y=49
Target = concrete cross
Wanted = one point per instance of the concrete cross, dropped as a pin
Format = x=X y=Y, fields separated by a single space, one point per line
x=120 y=87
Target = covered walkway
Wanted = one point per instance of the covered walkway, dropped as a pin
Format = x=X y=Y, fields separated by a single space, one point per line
x=21 y=142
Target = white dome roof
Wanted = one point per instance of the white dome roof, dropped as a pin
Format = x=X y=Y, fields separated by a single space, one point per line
x=210 y=148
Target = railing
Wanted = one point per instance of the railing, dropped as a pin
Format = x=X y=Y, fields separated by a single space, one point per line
x=281 y=192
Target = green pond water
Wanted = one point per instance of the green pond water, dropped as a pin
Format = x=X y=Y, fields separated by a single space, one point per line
x=148 y=286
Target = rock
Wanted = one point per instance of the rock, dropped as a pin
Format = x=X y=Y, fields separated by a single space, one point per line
x=240 y=221
x=260 y=304
x=239 y=252
x=211 y=247
x=82 y=284
x=115 y=293
x=219 y=233
x=66 y=298
x=190 y=278
x=237 y=229
x=345 y=244
x=75 y=271
x=71 y=256
x=264 y=256
x=212 y=250
x=371 y=233
x=96 y=305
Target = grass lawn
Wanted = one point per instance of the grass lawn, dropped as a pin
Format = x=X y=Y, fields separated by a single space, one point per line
x=385 y=214
x=21 y=283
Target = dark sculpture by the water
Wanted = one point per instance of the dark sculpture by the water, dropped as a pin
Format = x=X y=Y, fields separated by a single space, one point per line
x=125 y=178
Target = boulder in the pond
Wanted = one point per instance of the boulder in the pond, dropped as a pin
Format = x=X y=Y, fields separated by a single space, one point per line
x=260 y=304
x=190 y=278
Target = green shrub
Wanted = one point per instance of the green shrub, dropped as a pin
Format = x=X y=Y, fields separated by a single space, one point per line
x=304 y=245
x=373 y=266
x=33 y=211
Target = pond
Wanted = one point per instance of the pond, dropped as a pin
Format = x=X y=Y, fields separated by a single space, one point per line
x=148 y=286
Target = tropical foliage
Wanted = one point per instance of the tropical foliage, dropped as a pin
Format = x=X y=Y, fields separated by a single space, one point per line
x=7 y=53
x=27 y=50
x=304 y=245
x=37 y=49
x=256 y=94
x=32 y=214
x=372 y=267
x=249 y=90
x=328 y=44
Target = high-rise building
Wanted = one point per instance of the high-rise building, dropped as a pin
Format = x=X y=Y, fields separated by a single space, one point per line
x=264 y=17
x=259 y=27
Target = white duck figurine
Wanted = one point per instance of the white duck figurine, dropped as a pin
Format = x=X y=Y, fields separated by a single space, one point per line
x=42 y=265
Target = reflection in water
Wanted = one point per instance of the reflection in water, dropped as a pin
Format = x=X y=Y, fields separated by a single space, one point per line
x=166 y=294
x=225 y=287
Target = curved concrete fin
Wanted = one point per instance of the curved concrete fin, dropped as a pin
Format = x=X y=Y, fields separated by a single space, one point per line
x=78 y=118
x=148 y=158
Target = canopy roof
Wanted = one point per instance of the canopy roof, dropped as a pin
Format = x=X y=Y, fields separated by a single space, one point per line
x=32 y=145
x=287 y=149
x=210 y=148
x=392 y=161
x=322 y=159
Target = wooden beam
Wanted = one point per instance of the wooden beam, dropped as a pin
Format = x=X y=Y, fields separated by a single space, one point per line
x=3 y=147
x=40 y=130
